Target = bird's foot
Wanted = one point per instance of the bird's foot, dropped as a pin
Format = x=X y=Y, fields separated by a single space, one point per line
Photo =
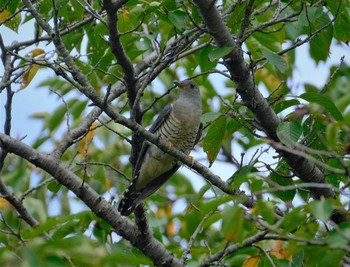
x=170 y=144
x=192 y=160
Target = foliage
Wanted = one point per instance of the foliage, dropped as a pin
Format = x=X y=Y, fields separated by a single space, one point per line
x=285 y=209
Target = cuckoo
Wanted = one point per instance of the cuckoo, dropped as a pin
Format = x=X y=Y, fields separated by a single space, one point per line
x=179 y=125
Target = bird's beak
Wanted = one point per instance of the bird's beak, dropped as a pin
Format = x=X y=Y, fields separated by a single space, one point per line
x=179 y=84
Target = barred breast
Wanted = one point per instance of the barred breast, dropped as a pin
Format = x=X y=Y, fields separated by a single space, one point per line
x=182 y=134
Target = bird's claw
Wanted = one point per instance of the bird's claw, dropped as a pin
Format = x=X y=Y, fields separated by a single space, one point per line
x=192 y=160
x=170 y=144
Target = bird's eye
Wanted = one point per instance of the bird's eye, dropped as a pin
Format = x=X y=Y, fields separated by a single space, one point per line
x=192 y=86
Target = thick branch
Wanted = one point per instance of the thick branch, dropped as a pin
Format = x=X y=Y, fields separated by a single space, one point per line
x=120 y=54
x=122 y=225
x=5 y=193
x=253 y=99
x=129 y=72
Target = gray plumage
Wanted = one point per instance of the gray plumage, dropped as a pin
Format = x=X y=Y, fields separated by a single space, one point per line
x=179 y=125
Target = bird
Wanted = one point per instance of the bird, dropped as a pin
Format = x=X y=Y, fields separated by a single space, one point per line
x=179 y=125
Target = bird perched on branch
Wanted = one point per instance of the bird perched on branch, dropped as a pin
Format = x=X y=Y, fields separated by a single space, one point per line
x=179 y=125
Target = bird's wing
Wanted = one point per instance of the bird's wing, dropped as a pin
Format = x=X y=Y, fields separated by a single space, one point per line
x=154 y=185
x=133 y=197
x=164 y=114
x=199 y=134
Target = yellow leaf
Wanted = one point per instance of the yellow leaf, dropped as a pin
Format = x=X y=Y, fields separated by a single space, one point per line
x=4 y=15
x=36 y=52
x=125 y=13
x=108 y=184
x=271 y=82
x=171 y=231
x=4 y=204
x=85 y=142
x=29 y=75
x=171 y=226
x=252 y=261
x=33 y=69
x=160 y=213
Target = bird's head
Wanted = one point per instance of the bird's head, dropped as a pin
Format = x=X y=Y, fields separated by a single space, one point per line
x=187 y=85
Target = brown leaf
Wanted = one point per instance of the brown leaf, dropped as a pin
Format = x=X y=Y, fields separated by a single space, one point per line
x=252 y=261
x=279 y=251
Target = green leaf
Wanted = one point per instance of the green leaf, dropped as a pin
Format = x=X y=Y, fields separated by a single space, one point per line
x=337 y=240
x=276 y=60
x=232 y=223
x=293 y=220
x=276 y=176
x=320 y=44
x=36 y=208
x=332 y=134
x=66 y=229
x=101 y=230
x=12 y=5
x=178 y=19
x=57 y=117
x=269 y=41
x=14 y=22
x=213 y=139
x=231 y=127
x=54 y=186
x=324 y=254
x=39 y=141
x=218 y=53
x=324 y=102
x=341 y=25
x=282 y=105
x=322 y=209
x=123 y=256
x=309 y=88
x=309 y=15
x=170 y=4
x=289 y=132
x=73 y=39
x=343 y=102
x=204 y=61
x=77 y=108
x=241 y=175
x=266 y=209
x=210 y=116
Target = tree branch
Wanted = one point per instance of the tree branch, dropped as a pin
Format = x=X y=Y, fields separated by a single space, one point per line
x=219 y=255
x=122 y=225
x=17 y=204
x=120 y=54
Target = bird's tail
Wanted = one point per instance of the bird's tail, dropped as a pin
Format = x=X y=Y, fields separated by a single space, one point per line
x=128 y=202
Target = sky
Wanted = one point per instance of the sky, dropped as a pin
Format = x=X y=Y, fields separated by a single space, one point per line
x=33 y=99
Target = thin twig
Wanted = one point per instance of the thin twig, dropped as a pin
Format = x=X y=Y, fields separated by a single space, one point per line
x=193 y=237
x=85 y=163
x=34 y=188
